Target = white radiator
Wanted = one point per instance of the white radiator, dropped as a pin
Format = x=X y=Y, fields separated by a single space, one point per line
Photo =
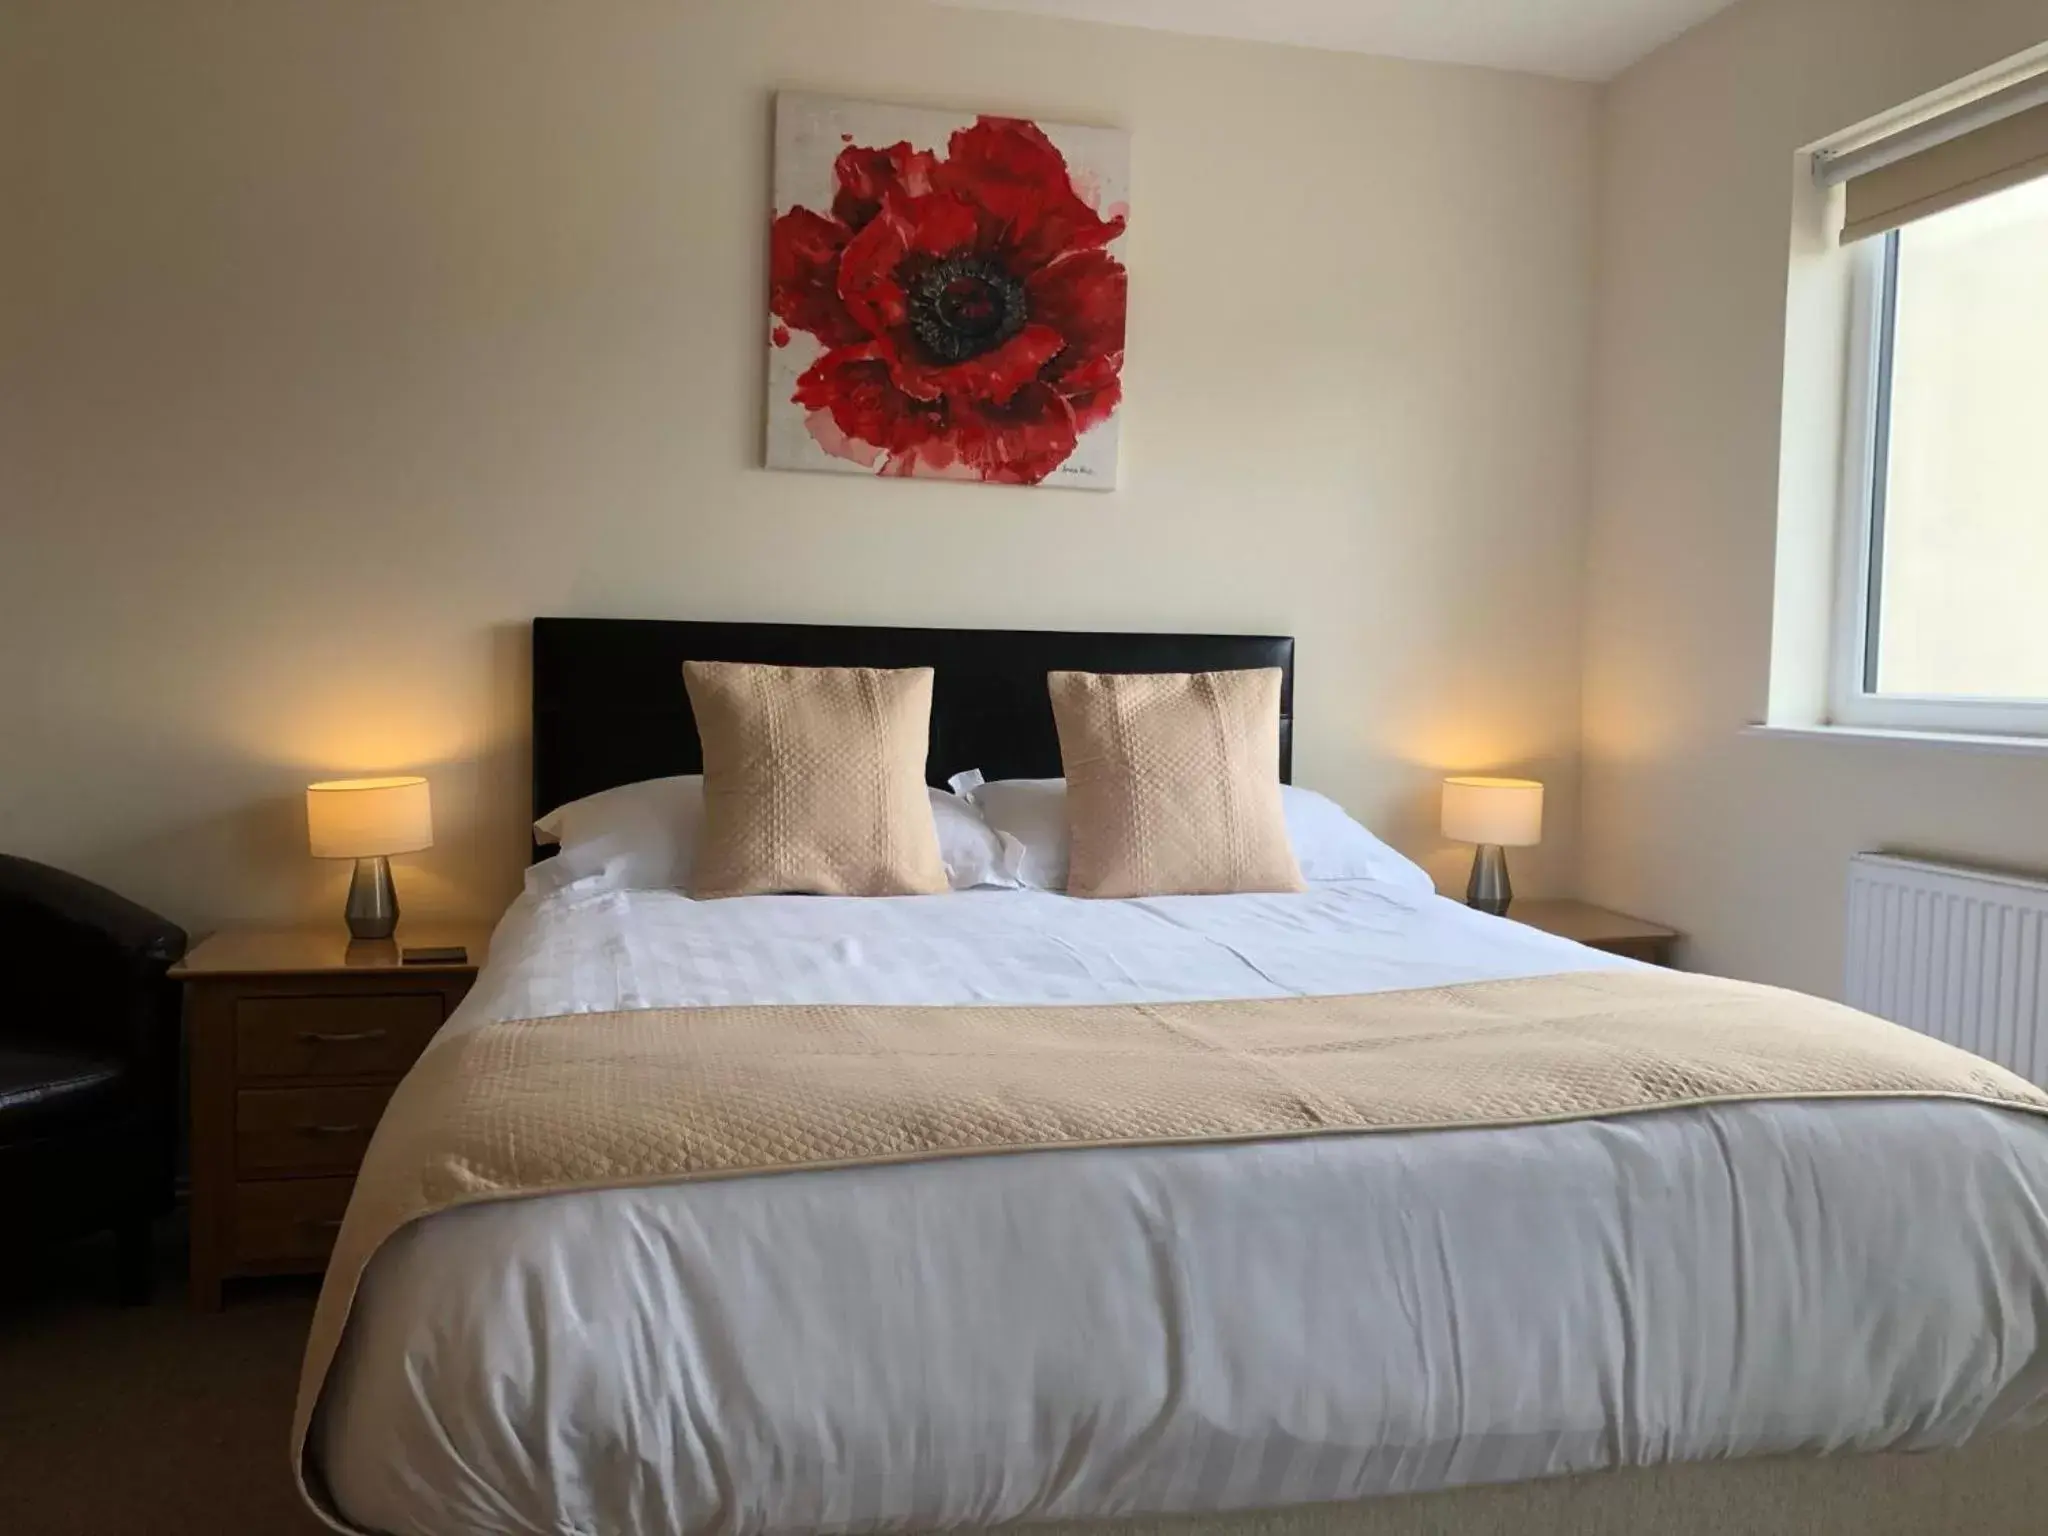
x=1960 y=954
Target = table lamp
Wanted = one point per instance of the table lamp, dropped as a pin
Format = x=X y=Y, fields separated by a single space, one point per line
x=367 y=820
x=1497 y=814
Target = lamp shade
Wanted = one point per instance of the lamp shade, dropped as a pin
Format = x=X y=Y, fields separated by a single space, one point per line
x=1507 y=812
x=363 y=818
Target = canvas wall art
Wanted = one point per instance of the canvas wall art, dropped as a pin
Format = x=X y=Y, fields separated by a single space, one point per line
x=946 y=294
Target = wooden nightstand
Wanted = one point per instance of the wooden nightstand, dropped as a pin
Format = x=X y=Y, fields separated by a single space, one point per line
x=297 y=1038
x=1599 y=928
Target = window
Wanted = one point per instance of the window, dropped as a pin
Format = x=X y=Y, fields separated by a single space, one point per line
x=1942 y=613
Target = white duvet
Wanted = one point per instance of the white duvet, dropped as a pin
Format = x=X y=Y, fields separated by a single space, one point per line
x=1100 y=1332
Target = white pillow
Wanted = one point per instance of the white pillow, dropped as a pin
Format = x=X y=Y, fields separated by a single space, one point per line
x=1029 y=816
x=1328 y=844
x=644 y=837
x=969 y=848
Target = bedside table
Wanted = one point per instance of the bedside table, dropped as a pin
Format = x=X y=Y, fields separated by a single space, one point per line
x=1598 y=928
x=297 y=1039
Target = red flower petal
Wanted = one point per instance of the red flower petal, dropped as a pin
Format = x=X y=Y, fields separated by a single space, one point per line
x=865 y=177
x=1083 y=297
x=938 y=225
x=867 y=274
x=1093 y=407
x=1031 y=214
x=803 y=267
x=1015 y=444
x=871 y=271
x=993 y=376
x=853 y=384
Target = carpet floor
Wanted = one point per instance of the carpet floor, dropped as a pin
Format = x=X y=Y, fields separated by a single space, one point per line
x=146 y=1421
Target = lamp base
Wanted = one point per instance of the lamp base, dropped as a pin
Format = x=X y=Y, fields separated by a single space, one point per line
x=372 y=910
x=1489 y=889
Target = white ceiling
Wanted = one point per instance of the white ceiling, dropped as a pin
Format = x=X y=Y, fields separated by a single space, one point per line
x=1579 y=39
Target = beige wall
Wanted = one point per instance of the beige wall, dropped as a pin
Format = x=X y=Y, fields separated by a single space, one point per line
x=343 y=336
x=1743 y=840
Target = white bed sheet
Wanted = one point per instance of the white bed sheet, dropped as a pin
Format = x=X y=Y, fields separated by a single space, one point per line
x=1085 y=1334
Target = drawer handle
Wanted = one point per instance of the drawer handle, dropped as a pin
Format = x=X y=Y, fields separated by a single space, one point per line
x=346 y=1037
x=333 y=1225
x=332 y=1130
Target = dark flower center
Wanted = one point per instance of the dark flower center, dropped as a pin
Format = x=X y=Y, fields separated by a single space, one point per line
x=964 y=306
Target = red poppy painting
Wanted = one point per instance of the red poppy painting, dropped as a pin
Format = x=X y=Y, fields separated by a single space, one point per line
x=945 y=295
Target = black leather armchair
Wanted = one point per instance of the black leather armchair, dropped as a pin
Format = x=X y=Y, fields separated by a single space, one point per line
x=88 y=1064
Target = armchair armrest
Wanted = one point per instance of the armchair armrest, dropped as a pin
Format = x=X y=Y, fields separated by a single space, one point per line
x=87 y=971
x=35 y=899
x=87 y=966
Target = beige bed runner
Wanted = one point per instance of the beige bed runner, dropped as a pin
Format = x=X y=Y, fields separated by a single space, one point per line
x=597 y=1101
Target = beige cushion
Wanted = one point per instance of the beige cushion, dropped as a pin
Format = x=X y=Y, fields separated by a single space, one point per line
x=1173 y=782
x=814 y=780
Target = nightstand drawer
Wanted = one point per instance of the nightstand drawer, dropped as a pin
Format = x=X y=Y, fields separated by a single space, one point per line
x=287 y=1221
x=297 y=1039
x=376 y=1035
x=304 y=1130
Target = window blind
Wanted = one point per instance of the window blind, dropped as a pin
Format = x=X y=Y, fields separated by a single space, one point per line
x=1949 y=173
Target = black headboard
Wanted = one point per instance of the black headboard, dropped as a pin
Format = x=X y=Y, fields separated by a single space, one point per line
x=609 y=706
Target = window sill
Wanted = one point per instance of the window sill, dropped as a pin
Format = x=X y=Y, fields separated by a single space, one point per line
x=1958 y=741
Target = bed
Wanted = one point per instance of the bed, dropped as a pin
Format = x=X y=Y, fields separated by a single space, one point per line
x=1732 y=1316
